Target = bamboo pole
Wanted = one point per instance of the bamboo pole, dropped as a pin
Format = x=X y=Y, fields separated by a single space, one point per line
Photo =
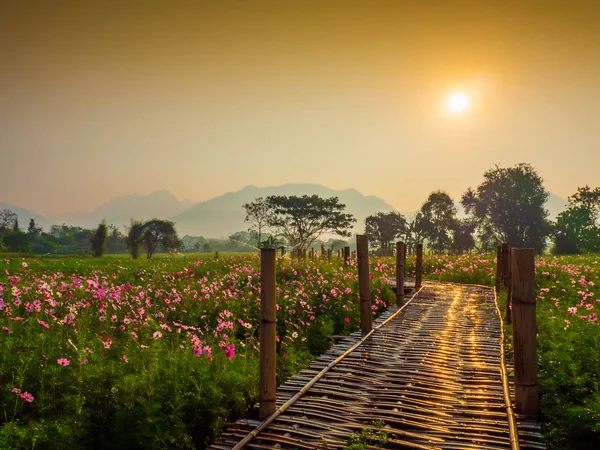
x=346 y=255
x=498 y=267
x=400 y=258
x=524 y=330
x=268 y=326
x=419 y=267
x=364 y=288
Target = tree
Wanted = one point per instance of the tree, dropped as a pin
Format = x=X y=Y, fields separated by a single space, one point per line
x=510 y=206
x=116 y=240
x=414 y=232
x=589 y=199
x=438 y=215
x=462 y=236
x=7 y=221
x=33 y=230
x=383 y=228
x=302 y=220
x=16 y=227
x=99 y=240
x=576 y=229
x=160 y=233
x=17 y=241
x=258 y=216
x=135 y=238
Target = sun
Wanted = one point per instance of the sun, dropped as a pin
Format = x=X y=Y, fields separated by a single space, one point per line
x=458 y=102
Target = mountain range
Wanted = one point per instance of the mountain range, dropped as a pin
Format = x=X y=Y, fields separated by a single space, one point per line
x=220 y=216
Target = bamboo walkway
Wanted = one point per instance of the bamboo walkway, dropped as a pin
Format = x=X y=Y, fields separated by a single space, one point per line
x=431 y=375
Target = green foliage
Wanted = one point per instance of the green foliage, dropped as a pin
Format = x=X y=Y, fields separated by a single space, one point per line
x=259 y=216
x=7 y=221
x=162 y=395
x=99 y=240
x=302 y=220
x=383 y=228
x=160 y=233
x=509 y=206
x=438 y=215
x=17 y=242
x=577 y=229
x=135 y=238
x=369 y=437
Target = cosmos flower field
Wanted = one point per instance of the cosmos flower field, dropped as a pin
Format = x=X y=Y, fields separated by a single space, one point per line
x=121 y=353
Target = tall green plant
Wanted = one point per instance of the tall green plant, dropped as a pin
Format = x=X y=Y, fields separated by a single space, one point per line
x=135 y=238
x=99 y=240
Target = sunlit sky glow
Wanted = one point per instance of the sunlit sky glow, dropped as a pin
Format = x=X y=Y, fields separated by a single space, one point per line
x=99 y=99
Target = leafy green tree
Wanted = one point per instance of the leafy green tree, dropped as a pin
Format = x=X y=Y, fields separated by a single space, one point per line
x=589 y=199
x=510 y=206
x=160 y=233
x=438 y=216
x=116 y=241
x=576 y=229
x=17 y=241
x=383 y=228
x=414 y=232
x=7 y=221
x=302 y=220
x=462 y=236
x=135 y=238
x=33 y=231
x=16 y=227
x=99 y=240
x=258 y=215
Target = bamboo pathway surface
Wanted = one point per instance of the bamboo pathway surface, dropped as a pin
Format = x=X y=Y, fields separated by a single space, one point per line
x=432 y=374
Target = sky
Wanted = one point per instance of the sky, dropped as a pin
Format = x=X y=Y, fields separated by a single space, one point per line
x=101 y=99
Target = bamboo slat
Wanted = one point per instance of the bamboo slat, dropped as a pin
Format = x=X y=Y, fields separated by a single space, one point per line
x=432 y=372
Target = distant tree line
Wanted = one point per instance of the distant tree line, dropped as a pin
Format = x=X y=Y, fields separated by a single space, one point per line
x=508 y=206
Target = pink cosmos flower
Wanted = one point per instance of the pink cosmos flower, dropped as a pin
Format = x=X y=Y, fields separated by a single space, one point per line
x=125 y=358
x=157 y=335
x=27 y=397
x=230 y=351
x=347 y=319
x=24 y=264
x=63 y=362
x=16 y=391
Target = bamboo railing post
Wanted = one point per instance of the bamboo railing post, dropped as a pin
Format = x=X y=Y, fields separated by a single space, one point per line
x=524 y=330
x=400 y=258
x=498 y=268
x=268 y=328
x=329 y=252
x=364 y=289
x=419 y=267
x=346 y=255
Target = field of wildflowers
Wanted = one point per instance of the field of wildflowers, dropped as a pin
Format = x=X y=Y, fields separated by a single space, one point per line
x=117 y=353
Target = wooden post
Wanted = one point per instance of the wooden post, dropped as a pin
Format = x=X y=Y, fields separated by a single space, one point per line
x=282 y=251
x=400 y=252
x=498 y=268
x=364 y=288
x=419 y=267
x=524 y=330
x=268 y=328
x=329 y=252
x=346 y=255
